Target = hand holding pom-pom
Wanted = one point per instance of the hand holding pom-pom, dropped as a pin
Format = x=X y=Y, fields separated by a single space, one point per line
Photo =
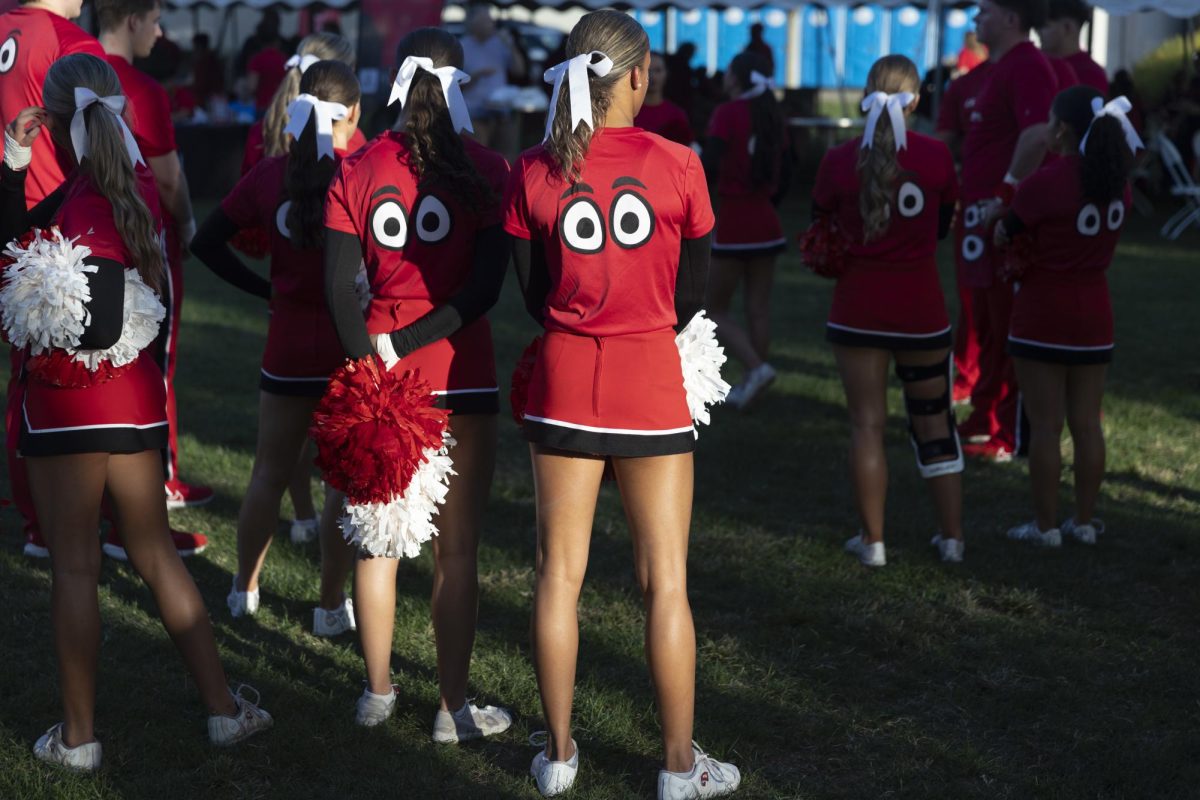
x=823 y=248
x=1017 y=258
x=518 y=396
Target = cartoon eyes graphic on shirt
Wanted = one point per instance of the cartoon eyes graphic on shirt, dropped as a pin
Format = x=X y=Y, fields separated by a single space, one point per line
x=1116 y=214
x=1088 y=220
x=433 y=220
x=581 y=225
x=631 y=219
x=911 y=200
x=389 y=220
x=281 y=216
x=971 y=216
x=8 y=52
x=972 y=247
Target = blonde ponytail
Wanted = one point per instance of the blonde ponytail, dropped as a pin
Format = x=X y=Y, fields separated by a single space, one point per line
x=878 y=169
x=326 y=47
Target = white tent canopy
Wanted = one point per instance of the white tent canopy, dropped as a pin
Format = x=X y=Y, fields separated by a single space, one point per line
x=1176 y=8
x=292 y=4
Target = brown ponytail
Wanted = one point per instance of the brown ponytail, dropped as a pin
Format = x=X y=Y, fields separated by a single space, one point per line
x=877 y=165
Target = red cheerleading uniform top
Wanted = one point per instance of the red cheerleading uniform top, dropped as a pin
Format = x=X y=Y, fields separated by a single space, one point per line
x=31 y=39
x=256 y=152
x=958 y=103
x=1090 y=73
x=612 y=240
x=667 y=120
x=731 y=122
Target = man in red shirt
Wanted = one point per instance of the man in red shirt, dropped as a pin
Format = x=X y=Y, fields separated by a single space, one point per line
x=1060 y=38
x=128 y=30
x=659 y=115
x=266 y=68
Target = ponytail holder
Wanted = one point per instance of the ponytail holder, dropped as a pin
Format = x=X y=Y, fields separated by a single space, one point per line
x=1118 y=108
x=114 y=105
x=761 y=84
x=303 y=108
x=451 y=79
x=575 y=70
x=874 y=104
x=300 y=62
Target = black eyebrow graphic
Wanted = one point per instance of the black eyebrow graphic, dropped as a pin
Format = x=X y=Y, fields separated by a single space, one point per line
x=576 y=189
x=386 y=190
x=627 y=181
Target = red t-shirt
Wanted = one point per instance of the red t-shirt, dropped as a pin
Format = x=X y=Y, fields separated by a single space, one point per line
x=1064 y=73
x=150 y=109
x=958 y=102
x=1070 y=233
x=1090 y=73
x=31 y=39
x=270 y=65
x=255 y=153
x=1018 y=93
x=612 y=241
x=667 y=120
x=417 y=246
x=927 y=182
x=969 y=59
x=731 y=122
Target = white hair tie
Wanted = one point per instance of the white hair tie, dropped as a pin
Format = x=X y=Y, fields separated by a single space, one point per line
x=874 y=104
x=301 y=62
x=761 y=83
x=303 y=108
x=451 y=79
x=575 y=70
x=114 y=105
x=1118 y=108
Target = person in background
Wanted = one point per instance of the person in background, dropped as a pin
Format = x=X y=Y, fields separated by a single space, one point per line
x=488 y=57
x=759 y=45
x=266 y=68
x=659 y=115
x=1060 y=39
x=208 y=73
x=680 y=86
x=1122 y=86
x=971 y=55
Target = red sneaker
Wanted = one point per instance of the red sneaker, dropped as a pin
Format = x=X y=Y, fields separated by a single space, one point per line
x=35 y=545
x=976 y=429
x=186 y=544
x=961 y=394
x=184 y=495
x=992 y=450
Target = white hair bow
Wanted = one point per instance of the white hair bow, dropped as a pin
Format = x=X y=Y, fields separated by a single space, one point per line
x=1118 y=108
x=114 y=105
x=575 y=71
x=301 y=62
x=761 y=83
x=451 y=79
x=303 y=108
x=874 y=104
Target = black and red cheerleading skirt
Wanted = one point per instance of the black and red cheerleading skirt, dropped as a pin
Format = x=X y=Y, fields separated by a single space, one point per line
x=890 y=306
x=1062 y=318
x=747 y=226
x=302 y=350
x=609 y=396
x=127 y=414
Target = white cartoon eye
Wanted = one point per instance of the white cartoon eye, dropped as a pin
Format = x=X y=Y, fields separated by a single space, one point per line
x=1116 y=214
x=971 y=217
x=972 y=248
x=433 y=220
x=281 y=219
x=1088 y=221
x=582 y=226
x=910 y=199
x=389 y=225
x=8 y=54
x=632 y=221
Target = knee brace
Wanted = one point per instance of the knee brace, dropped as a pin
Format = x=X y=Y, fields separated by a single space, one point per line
x=931 y=455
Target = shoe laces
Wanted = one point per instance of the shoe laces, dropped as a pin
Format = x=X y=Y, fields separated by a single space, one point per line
x=242 y=699
x=714 y=767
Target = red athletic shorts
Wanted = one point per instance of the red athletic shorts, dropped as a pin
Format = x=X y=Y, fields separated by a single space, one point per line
x=1062 y=317
x=889 y=306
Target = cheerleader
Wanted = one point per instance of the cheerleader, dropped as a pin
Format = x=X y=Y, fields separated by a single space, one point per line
x=611 y=230
x=659 y=115
x=890 y=195
x=420 y=208
x=286 y=195
x=747 y=167
x=1064 y=226
x=94 y=413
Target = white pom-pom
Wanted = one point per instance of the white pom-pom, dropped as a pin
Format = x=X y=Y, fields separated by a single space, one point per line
x=398 y=528
x=45 y=291
x=701 y=357
x=142 y=315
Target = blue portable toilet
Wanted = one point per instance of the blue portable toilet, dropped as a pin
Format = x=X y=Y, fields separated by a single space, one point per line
x=655 y=25
x=691 y=25
x=908 y=34
x=733 y=34
x=864 y=42
x=818 y=47
x=957 y=22
x=774 y=22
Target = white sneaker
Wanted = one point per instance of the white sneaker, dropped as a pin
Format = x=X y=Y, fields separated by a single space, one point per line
x=241 y=603
x=247 y=721
x=707 y=778
x=753 y=384
x=553 y=777
x=374 y=709
x=736 y=396
x=1029 y=532
x=304 y=530
x=335 y=622
x=470 y=722
x=869 y=555
x=80 y=758
x=1084 y=534
x=951 y=550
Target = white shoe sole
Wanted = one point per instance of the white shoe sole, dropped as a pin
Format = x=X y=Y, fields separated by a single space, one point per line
x=34 y=551
x=119 y=553
x=177 y=505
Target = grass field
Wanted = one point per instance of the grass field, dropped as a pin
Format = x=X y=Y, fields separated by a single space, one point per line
x=1066 y=674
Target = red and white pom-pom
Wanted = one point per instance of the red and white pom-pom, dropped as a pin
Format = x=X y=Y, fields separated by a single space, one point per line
x=62 y=369
x=823 y=248
x=254 y=242
x=142 y=315
x=518 y=396
x=382 y=441
x=43 y=302
x=701 y=358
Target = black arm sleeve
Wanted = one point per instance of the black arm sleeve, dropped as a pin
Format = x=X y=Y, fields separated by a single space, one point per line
x=945 y=219
x=343 y=254
x=692 y=280
x=107 y=306
x=210 y=245
x=710 y=159
x=1013 y=224
x=476 y=298
x=13 y=215
x=785 y=177
x=529 y=259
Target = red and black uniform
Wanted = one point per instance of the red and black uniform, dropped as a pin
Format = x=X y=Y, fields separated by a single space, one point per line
x=610 y=265
x=667 y=120
x=1062 y=311
x=434 y=265
x=1090 y=73
x=889 y=295
x=747 y=223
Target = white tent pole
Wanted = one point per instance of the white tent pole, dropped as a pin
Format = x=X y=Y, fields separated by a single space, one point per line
x=795 y=46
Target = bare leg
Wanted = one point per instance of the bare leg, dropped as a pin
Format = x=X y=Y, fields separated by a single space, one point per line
x=337 y=555
x=1085 y=390
x=657 y=493
x=300 y=485
x=864 y=372
x=1044 y=394
x=760 y=276
x=375 y=613
x=723 y=277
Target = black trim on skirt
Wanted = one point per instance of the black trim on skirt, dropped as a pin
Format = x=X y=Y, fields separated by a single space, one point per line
x=118 y=441
x=622 y=445
x=471 y=402
x=1058 y=355
x=883 y=341
x=301 y=387
x=752 y=251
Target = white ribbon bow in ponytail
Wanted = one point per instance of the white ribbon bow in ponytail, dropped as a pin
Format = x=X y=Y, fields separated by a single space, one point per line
x=301 y=62
x=874 y=104
x=304 y=107
x=451 y=79
x=761 y=83
x=1118 y=108
x=575 y=70
x=114 y=105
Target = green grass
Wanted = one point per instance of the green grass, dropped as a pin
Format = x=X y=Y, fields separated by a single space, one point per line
x=1019 y=674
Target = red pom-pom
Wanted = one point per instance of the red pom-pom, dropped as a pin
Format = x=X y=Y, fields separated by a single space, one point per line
x=518 y=397
x=59 y=368
x=823 y=248
x=1017 y=258
x=372 y=429
x=254 y=242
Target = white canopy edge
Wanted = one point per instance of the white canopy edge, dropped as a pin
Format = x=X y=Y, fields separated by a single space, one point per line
x=1175 y=8
x=292 y=4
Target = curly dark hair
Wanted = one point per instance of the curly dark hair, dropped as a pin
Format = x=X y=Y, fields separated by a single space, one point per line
x=1107 y=160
